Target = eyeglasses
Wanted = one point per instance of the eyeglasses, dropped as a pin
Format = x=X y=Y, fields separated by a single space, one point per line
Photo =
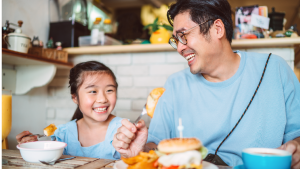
x=180 y=36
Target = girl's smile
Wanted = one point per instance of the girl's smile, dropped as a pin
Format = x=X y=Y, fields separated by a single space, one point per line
x=100 y=110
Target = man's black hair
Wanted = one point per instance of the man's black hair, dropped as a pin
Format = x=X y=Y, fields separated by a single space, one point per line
x=203 y=10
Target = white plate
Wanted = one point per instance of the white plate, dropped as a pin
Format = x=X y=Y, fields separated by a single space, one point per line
x=206 y=165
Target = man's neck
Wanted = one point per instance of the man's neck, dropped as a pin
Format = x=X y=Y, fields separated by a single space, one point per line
x=223 y=66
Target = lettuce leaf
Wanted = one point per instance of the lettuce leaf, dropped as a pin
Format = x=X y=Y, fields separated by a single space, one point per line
x=203 y=150
x=159 y=153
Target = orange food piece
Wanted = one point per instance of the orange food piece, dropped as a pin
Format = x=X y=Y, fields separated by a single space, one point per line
x=142 y=161
x=49 y=130
x=153 y=99
x=132 y=160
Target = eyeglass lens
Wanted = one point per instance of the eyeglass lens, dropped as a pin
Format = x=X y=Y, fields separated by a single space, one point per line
x=181 y=38
x=174 y=40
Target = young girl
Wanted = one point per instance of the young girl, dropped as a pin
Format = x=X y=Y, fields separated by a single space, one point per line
x=91 y=130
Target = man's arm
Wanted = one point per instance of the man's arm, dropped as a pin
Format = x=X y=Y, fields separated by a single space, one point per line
x=150 y=146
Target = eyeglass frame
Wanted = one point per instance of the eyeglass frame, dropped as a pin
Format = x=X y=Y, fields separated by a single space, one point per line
x=183 y=34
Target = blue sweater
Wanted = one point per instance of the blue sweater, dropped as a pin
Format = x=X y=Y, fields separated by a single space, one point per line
x=68 y=133
x=210 y=110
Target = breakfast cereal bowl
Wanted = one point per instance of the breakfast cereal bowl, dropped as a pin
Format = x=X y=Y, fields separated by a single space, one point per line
x=41 y=150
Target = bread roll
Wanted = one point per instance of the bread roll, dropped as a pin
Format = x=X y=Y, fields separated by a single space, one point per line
x=49 y=130
x=176 y=145
x=153 y=99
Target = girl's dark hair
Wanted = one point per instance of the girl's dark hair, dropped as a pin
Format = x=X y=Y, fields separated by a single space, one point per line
x=203 y=10
x=76 y=79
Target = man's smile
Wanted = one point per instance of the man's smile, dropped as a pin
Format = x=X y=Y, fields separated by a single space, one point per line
x=189 y=57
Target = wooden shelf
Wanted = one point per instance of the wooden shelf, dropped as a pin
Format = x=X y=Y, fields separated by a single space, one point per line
x=236 y=44
x=28 y=71
x=268 y=42
x=119 y=49
x=16 y=58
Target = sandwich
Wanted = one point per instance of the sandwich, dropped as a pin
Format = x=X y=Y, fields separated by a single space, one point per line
x=181 y=153
x=153 y=99
x=49 y=130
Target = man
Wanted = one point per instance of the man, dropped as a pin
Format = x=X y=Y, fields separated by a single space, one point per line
x=212 y=96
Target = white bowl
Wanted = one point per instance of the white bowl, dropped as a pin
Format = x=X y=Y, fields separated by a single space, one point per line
x=41 y=150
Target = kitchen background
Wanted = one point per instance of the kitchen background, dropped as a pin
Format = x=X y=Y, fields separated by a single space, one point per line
x=137 y=73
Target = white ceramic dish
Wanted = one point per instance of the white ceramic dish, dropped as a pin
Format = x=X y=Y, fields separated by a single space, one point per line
x=206 y=165
x=41 y=150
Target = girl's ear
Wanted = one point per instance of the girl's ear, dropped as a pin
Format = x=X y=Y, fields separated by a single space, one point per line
x=74 y=98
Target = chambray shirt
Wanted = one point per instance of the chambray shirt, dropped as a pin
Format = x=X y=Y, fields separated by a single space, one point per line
x=210 y=110
x=68 y=133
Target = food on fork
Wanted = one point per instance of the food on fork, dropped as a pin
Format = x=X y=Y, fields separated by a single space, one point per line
x=153 y=99
x=49 y=130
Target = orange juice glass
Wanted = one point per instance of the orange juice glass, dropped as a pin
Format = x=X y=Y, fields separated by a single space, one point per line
x=6 y=113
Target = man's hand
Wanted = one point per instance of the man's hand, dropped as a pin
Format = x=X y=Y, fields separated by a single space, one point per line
x=293 y=147
x=130 y=139
x=24 y=137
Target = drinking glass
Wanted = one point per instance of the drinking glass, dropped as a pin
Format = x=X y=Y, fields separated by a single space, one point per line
x=6 y=116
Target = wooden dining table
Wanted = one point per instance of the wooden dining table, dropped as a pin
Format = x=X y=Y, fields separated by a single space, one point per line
x=13 y=159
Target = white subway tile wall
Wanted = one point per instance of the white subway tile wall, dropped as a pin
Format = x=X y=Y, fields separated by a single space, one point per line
x=137 y=75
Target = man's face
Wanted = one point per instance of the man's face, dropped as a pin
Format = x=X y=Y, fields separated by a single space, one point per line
x=198 y=49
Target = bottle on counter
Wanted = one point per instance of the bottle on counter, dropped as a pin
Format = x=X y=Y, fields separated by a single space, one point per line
x=107 y=26
x=97 y=32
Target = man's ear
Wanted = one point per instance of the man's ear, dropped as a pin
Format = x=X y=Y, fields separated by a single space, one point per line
x=219 y=29
x=74 y=98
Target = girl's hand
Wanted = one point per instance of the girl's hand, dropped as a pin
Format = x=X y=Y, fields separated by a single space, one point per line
x=24 y=137
x=130 y=140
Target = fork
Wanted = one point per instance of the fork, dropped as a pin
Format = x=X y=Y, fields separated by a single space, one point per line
x=139 y=118
x=41 y=135
x=54 y=161
x=38 y=135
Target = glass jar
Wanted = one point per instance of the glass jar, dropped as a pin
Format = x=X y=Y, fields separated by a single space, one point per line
x=107 y=26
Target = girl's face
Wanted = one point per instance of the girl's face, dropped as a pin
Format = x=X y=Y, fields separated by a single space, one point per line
x=97 y=96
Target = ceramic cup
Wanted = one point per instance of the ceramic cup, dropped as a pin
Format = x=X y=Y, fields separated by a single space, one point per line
x=266 y=158
x=17 y=42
